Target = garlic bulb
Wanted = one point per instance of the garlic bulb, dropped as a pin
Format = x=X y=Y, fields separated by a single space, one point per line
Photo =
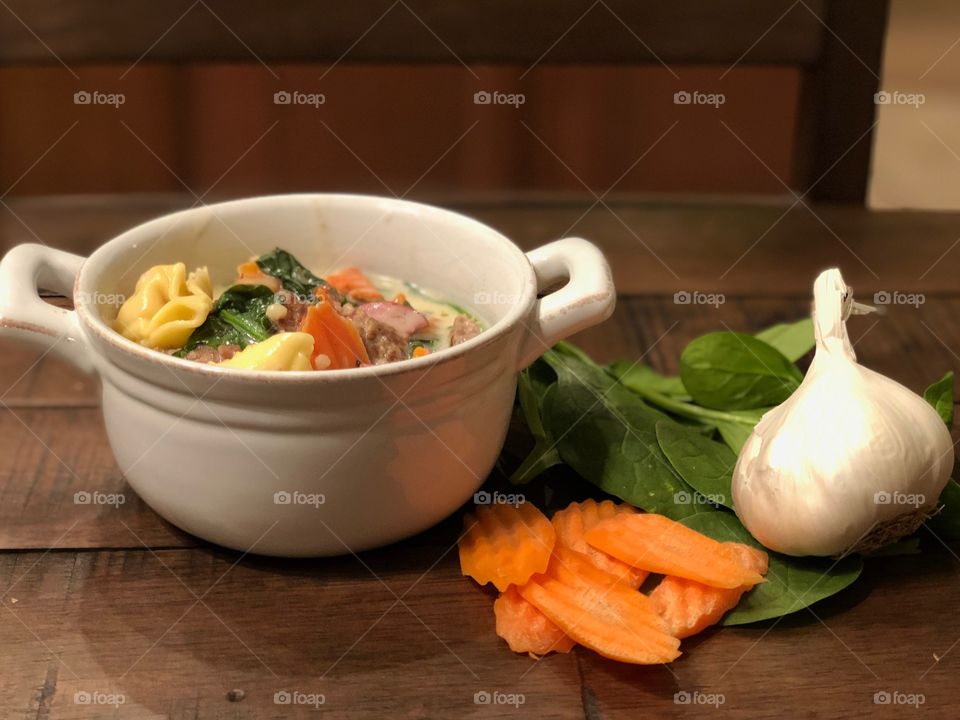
x=851 y=461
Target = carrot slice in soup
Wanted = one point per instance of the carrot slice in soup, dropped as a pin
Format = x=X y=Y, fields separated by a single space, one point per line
x=661 y=545
x=350 y=281
x=690 y=607
x=249 y=273
x=334 y=336
x=506 y=544
x=526 y=629
x=599 y=611
x=571 y=525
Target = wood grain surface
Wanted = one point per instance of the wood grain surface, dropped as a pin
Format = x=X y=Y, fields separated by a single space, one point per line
x=112 y=601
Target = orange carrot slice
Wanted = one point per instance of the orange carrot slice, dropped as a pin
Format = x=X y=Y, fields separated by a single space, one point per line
x=661 y=545
x=526 y=629
x=600 y=612
x=333 y=336
x=572 y=523
x=506 y=544
x=350 y=281
x=690 y=607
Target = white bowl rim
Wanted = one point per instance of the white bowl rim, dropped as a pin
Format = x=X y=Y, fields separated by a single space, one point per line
x=95 y=324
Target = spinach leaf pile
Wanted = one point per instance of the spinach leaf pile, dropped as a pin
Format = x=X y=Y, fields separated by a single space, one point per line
x=669 y=444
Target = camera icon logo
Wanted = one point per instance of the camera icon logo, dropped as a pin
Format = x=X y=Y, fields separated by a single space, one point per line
x=82 y=97
x=481 y=698
x=881 y=98
x=882 y=497
x=681 y=297
x=682 y=698
x=482 y=97
x=82 y=697
x=282 y=97
x=682 y=97
x=82 y=497
x=282 y=697
x=482 y=498
x=881 y=697
x=282 y=497
x=881 y=298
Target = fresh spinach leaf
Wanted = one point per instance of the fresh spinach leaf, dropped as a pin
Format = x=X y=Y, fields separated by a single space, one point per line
x=238 y=317
x=734 y=426
x=793 y=340
x=533 y=385
x=946 y=523
x=791 y=583
x=638 y=375
x=607 y=434
x=733 y=371
x=704 y=464
x=940 y=395
x=294 y=276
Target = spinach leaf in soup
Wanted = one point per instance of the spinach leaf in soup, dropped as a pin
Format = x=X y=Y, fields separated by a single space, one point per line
x=294 y=276
x=791 y=583
x=734 y=371
x=239 y=317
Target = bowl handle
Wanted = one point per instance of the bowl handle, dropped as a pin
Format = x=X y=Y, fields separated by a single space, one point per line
x=25 y=315
x=587 y=298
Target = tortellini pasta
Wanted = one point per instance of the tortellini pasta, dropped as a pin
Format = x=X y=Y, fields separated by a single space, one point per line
x=166 y=306
x=283 y=351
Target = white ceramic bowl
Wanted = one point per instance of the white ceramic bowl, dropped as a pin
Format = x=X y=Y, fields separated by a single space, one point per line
x=311 y=463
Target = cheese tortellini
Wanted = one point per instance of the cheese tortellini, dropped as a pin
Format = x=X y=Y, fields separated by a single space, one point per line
x=283 y=351
x=166 y=306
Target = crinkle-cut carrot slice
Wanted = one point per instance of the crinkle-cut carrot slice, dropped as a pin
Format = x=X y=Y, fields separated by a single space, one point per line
x=572 y=523
x=526 y=629
x=506 y=544
x=610 y=618
x=690 y=607
x=661 y=545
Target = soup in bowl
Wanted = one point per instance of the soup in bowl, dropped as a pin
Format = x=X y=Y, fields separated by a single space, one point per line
x=352 y=445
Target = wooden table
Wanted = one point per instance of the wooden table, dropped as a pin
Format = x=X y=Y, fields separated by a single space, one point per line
x=116 y=601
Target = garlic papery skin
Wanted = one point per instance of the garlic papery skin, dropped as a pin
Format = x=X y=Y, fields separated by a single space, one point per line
x=851 y=460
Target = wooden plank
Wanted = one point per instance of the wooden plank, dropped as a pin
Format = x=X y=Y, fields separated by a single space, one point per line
x=128 y=623
x=50 y=462
x=842 y=106
x=655 y=248
x=412 y=31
